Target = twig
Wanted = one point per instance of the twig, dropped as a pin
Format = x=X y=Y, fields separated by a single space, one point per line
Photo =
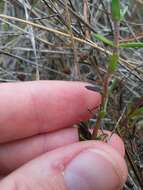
x=33 y=42
x=85 y=13
x=76 y=70
x=118 y=122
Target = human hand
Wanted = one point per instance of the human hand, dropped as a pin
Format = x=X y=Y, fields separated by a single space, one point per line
x=36 y=136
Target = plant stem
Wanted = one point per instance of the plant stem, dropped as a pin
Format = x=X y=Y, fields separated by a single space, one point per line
x=116 y=36
x=105 y=95
x=76 y=70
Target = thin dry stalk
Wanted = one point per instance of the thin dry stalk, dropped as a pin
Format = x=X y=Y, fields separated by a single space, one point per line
x=86 y=16
x=76 y=70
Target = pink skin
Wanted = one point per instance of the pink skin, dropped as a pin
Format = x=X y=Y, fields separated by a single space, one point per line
x=115 y=142
x=32 y=108
x=35 y=128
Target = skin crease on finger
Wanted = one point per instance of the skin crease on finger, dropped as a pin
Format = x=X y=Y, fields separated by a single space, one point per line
x=27 y=107
x=15 y=154
x=46 y=172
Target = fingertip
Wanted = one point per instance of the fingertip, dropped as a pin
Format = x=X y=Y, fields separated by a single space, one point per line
x=34 y=104
x=88 y=165
x=94 y=98
x=99 y=167
x=116 y=142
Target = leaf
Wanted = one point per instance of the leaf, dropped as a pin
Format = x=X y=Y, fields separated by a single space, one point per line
x=112 y=86
x=102 y=114
x=124 y=12
x=113 y=62
x=131 y=45
x=103 y=39
x=115 y=8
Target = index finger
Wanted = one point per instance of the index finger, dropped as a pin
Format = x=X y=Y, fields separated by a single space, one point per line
x=31 y=108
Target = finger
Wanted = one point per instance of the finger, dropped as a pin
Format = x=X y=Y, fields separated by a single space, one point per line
x=115 y=141
x=87 y=165
x=15 y=154
x=31 y=108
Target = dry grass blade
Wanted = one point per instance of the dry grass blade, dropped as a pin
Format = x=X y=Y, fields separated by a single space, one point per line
x=32 y=37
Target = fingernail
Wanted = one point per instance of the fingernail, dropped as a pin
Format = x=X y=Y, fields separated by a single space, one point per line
x=93 y=170
x=93 y=88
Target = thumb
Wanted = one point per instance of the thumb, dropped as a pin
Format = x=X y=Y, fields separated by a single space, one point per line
x=81 y=166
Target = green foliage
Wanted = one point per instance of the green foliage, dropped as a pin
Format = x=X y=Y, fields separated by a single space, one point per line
x=131 y=45
x=115 y=7
x=103 y=39
x=113 y=62
x=123 y=12
x=112 y=86
x=102 y=114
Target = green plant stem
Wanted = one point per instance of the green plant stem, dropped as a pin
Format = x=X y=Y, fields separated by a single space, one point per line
x=116 y=37
x=95 y=130
x=106 y=90
x=103 y=109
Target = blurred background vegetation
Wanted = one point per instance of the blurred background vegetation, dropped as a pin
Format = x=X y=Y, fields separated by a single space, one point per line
x=73 y=40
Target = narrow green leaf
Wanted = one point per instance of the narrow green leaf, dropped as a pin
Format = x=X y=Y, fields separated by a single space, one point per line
x=112 y=86
x=131 y=45
x=103 y=39
x=113 y=63
x=123 y=12
x=115 y=7
x=102 y=114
